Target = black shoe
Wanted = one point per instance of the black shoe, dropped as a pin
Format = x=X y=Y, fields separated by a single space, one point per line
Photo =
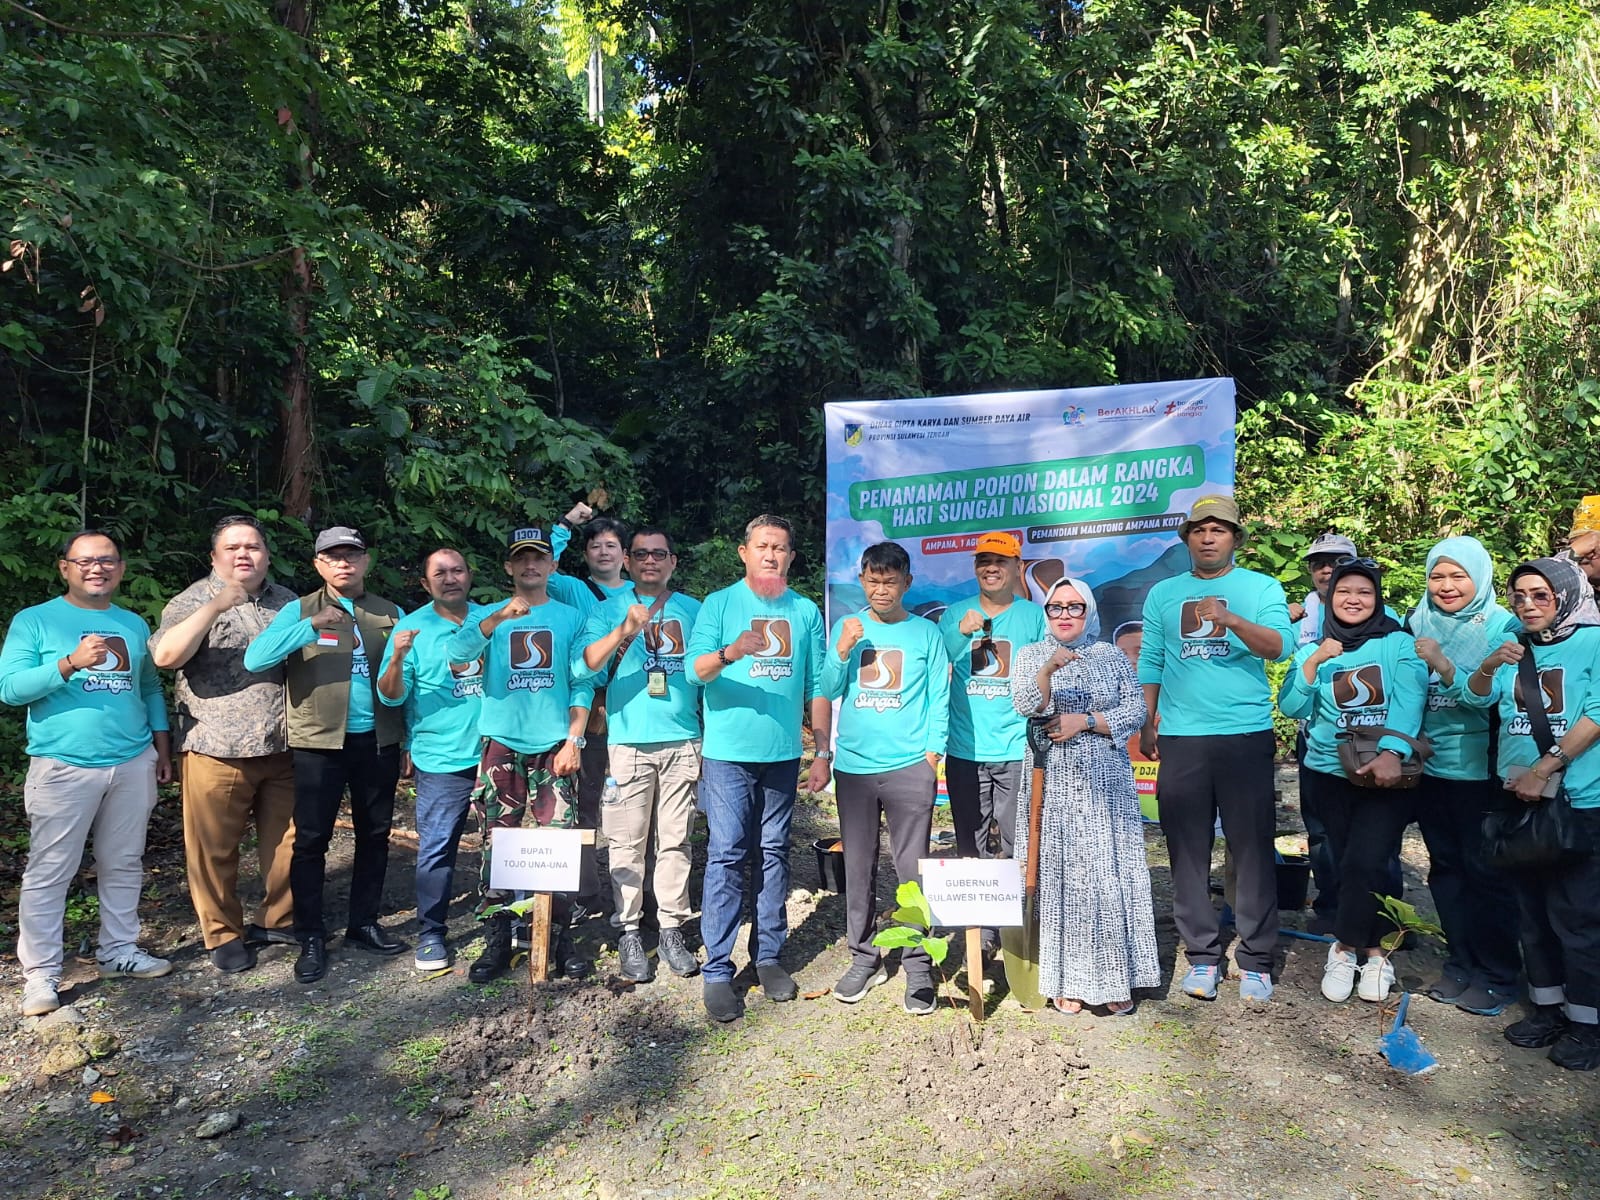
x=675 y=952
x=495 y=960
x=312 y=964
x=776 y=982
x=232 y=956
x=922 y=998
x=633 y=962
x=722 y=1002
x=1446 y=988
x=372 y=938
x=260 y=935
x=1543 y=1026
x=565 y=957
x=1579 y=1048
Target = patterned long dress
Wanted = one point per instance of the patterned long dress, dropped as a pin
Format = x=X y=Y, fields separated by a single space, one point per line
x=1097 y=933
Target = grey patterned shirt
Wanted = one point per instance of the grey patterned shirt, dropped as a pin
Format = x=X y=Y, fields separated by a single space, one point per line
x=223 y=710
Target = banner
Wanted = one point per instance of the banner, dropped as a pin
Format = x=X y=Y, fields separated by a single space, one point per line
x=1095 y=481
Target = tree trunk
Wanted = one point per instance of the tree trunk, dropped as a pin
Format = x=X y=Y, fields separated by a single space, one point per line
x=297 y=468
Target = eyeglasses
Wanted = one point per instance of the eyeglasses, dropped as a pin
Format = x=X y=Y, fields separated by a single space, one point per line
x=106 y=561
x=1075 y=609
x=650 y=555
x=1539 y=599
x=341 y=556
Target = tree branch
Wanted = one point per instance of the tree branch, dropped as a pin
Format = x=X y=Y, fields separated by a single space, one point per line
x=109 y=34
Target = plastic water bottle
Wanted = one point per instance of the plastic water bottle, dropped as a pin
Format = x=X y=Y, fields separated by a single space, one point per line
x=611 y=793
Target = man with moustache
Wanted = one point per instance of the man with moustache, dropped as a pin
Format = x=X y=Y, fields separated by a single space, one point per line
x=341 y=737
x=441 y=699
x=634 y=646
x=531 y=720
x=97 y=748
x=1207 y=636
x=233 y=740
x=987 y=735
x=757 y=652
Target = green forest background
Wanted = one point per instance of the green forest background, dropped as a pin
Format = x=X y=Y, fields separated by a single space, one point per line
x=433 y=268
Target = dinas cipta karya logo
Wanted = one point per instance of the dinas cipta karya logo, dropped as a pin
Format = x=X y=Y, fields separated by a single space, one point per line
x=882 y=670
x=776 y=639
x=1359 y=687
x=1193 y=628
x=532 y=650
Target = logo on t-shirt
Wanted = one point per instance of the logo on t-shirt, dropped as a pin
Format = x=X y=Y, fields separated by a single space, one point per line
x=1356 y=691
x=359 y=667
x=114 y=672
x=776 y=654
x=532 y=658
x=468 y=678
x=880 y=679
x=1553 y=686
x=1202 y=637
x=664 y=644
x=991 y=669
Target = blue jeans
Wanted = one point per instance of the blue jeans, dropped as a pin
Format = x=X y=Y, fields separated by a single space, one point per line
x=441 y=815
x=749 y=807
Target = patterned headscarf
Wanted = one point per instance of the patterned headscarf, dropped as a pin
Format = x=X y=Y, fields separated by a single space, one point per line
x=1462 y=635
x=1091 y=616
x=1575 y=605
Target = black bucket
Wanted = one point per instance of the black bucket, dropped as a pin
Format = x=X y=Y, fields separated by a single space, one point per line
x=1294 y=880
x=830 y=863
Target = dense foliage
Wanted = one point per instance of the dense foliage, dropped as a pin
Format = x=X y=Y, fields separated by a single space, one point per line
x=431 y=267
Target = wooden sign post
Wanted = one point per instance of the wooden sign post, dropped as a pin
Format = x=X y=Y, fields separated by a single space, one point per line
x=541 y=861
x=978 y=893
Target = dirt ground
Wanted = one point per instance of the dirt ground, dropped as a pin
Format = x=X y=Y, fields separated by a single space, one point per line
x=380 y=1082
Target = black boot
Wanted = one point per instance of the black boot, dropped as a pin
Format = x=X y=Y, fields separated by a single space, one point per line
x=565 y=958
x=1543 y=1026
x=495 y=960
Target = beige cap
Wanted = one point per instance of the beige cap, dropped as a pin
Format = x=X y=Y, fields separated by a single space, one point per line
x=1212 y=508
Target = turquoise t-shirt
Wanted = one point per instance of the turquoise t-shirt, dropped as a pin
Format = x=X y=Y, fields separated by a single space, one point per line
x=103 y=715
x=1210 y=683
x=576 y=593
x=1381 y=682
x=289 y=631
x=895 y=687
x=634 y=716
x=984 y=725
x=442 y=699
x=753 y=709
x=528 y=684
x=1459 y=731
x=1569 y=675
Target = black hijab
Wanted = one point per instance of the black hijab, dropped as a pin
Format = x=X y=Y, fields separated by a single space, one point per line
x=1575 y=606
x=1379 y=624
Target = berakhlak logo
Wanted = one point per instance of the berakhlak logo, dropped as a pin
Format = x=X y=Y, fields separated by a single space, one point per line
x=467 y=670
x=882 y=670
x=1552 y=683
x=664 y=640
x=1039 y=575
x=776 y=639
x=1192 y=627
x=116 y=660
x=852 y=434
x=991 y=658
x=1360 y=687
x=531 y=650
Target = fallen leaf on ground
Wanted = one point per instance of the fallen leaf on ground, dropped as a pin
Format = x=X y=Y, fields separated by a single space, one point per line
x=101 y=1098
x=815 y=995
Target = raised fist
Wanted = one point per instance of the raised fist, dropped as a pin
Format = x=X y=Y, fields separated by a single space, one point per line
x=402 y=641
x=746 y=644
x=971 y=622
x=331 y=617
x=514 y=608
x=635 y=619
x=90 y=652
x=851 y=632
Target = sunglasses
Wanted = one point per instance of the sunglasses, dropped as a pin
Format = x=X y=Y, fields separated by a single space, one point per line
x=1350 y=560
x=650 y=555
x=1538 y=599
x=1057 y=611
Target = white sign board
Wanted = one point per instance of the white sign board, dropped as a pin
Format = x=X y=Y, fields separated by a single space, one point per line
x=973 y=891
x=535 y=860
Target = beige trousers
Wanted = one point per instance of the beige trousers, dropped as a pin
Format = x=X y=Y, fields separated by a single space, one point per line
x=220 y=798
x=656 y=785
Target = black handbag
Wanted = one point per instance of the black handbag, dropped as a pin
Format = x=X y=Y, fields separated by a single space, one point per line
x=1546 y=833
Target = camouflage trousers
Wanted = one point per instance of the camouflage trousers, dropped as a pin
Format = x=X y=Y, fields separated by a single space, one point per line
x=511 y=787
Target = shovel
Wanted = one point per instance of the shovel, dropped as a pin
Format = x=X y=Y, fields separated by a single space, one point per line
x=1019 y=946
x=1402 y=1048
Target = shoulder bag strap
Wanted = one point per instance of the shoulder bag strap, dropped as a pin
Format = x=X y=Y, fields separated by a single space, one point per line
x=1533 y=701
x=655 y=611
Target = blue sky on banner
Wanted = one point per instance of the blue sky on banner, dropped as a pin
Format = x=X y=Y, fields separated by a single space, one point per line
x=1093 y=480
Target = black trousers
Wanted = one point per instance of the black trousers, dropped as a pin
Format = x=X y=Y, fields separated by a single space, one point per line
x=1560 y=932
x=1477 y=904
x=1324 y=866
x=1364 y=828
x=320 y=780
x=981 y=793
x=1230 y=774
x=594 y=764
x=904 y=798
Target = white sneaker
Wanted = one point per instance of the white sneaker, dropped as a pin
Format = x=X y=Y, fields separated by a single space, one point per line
x=133 y=962
x=39 y=995
x=1377 y=977
x=1339 y=975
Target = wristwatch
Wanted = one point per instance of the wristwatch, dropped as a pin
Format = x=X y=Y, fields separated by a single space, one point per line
x=825 y=755
x=1560 y=755
x=1089 y=723
x=580 y=741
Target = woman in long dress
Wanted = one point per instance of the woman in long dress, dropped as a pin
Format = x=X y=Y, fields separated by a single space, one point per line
x=1097 y=935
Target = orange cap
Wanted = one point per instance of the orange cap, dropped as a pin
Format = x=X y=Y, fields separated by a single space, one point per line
x=1003 y=544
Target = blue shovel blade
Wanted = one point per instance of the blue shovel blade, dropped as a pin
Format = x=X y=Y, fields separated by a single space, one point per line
x=1402 y=1048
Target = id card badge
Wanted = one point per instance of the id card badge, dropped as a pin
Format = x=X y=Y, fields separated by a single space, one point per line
x=656 y=682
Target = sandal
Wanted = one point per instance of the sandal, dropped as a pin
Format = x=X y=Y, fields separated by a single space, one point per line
x=1132 y=1006
x=1066 y=1007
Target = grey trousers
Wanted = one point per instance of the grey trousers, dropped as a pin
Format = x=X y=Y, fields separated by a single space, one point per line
x=981 y=793
x=904 y=798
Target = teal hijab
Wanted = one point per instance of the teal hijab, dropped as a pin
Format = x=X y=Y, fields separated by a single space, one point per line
x=1463 y=636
